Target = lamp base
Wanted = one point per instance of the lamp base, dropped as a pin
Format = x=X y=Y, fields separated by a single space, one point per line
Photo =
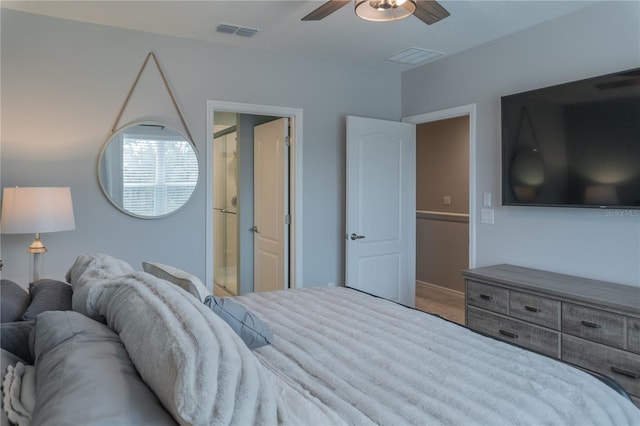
x=35 y=262
x=35 y=267
x=37 y=246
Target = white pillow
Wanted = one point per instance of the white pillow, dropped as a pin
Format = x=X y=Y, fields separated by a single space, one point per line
x=183 y=279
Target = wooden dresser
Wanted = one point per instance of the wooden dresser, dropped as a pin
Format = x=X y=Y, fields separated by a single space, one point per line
x=590 y=323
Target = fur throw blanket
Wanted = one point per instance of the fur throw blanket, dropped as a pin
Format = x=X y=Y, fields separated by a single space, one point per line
x=197 y=366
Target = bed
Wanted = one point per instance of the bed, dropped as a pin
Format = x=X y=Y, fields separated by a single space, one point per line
x=140 y=350
x=340 y=356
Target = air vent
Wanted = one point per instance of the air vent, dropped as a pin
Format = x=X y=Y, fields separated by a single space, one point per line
x=246 y=32
x=414 y=56
x=235 y=29
x=226 y=28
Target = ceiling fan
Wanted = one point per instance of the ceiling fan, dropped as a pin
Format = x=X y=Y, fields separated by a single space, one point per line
x=428 y=11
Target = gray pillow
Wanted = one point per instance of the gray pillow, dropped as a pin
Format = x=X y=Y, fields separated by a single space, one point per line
x=48 y=295
x=251 y=329
x=14 y=300
x=85 y=376
x=15 y=339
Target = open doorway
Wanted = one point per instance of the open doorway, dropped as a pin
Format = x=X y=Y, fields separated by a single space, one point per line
x=445 y=231
x=237 y=231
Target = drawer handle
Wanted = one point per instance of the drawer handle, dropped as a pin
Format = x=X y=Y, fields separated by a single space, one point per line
x=485 y=297
x=509 y=334
x=591 y=324
x=532 y=309
x=625 y=372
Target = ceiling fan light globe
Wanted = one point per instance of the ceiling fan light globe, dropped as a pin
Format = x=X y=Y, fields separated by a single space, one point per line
x=384 y=10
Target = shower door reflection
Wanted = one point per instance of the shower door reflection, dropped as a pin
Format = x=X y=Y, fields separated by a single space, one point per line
x=225 y=208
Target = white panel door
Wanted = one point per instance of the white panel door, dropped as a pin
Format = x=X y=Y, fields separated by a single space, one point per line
x=380 y=208
x=271 y=233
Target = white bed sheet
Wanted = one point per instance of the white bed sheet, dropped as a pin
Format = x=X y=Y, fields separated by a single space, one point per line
x=340 y=356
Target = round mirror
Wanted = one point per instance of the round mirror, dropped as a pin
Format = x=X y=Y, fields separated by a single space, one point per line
x=148 y=170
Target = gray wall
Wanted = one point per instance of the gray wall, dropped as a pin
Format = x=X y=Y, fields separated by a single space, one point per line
x=599 y=39
x=64 y=82
x=442 y=168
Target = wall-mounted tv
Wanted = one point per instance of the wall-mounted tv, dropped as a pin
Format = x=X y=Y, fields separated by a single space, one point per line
x=573 y=145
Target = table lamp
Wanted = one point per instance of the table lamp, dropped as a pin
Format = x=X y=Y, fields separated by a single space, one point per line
x=27 y=210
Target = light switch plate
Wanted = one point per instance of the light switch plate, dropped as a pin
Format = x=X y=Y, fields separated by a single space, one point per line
x=487 y=199
x=486 y=216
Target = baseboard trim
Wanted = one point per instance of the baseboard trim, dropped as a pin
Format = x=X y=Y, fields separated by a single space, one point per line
x=455 y=293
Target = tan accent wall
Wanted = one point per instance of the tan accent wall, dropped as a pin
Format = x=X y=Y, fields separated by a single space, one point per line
x=442 y=165
x=442 y=169
x=442 y=252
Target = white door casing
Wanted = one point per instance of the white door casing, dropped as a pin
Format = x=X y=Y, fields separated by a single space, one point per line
x=460 y=111
x=271 y=233
x=296 y=184
x=380 y=208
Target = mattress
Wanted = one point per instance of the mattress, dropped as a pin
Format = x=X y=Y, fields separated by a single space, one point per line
x=340 y=356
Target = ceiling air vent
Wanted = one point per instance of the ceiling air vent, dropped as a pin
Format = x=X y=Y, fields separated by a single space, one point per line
x=246 y=32
x=414 y=56
x=226 y=28
x=235 y=29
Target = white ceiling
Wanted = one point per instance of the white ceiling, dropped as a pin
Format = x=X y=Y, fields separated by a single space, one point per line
x=339 y=37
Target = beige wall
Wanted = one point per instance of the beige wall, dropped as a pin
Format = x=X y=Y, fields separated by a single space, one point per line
x=442 y=165
x=442 y=252
x=442 y=169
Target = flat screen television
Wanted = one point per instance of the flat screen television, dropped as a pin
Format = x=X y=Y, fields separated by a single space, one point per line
x=573 y=145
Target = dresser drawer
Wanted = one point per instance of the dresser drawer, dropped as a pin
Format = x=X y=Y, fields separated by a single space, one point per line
x=633 y=334
x=536 y=309
x=622 y=366
x=489 y=297
x=593 y=324
x=513 y=331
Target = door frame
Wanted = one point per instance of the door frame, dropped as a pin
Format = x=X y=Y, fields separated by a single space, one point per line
x=468 y=110
x=295 y=182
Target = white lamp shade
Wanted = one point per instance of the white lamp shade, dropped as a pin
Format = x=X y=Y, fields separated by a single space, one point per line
x=31 y=210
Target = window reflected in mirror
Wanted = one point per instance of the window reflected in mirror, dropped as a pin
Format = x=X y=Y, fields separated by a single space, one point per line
x=148 y=170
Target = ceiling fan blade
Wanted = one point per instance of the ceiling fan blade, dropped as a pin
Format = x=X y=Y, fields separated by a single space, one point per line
x=430 y=11
x=325 y=10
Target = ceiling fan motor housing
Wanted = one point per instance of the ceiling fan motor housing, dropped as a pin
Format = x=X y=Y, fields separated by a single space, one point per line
x=384 y=10
x=428 y=12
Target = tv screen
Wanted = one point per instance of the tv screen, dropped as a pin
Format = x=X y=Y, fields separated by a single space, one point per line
x=573 y=145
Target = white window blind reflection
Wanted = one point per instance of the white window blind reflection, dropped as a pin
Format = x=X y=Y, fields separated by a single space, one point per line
x=159 y=176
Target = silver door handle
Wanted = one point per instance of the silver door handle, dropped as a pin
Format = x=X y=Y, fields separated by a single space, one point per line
x=356 y=237
x=255 y=229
